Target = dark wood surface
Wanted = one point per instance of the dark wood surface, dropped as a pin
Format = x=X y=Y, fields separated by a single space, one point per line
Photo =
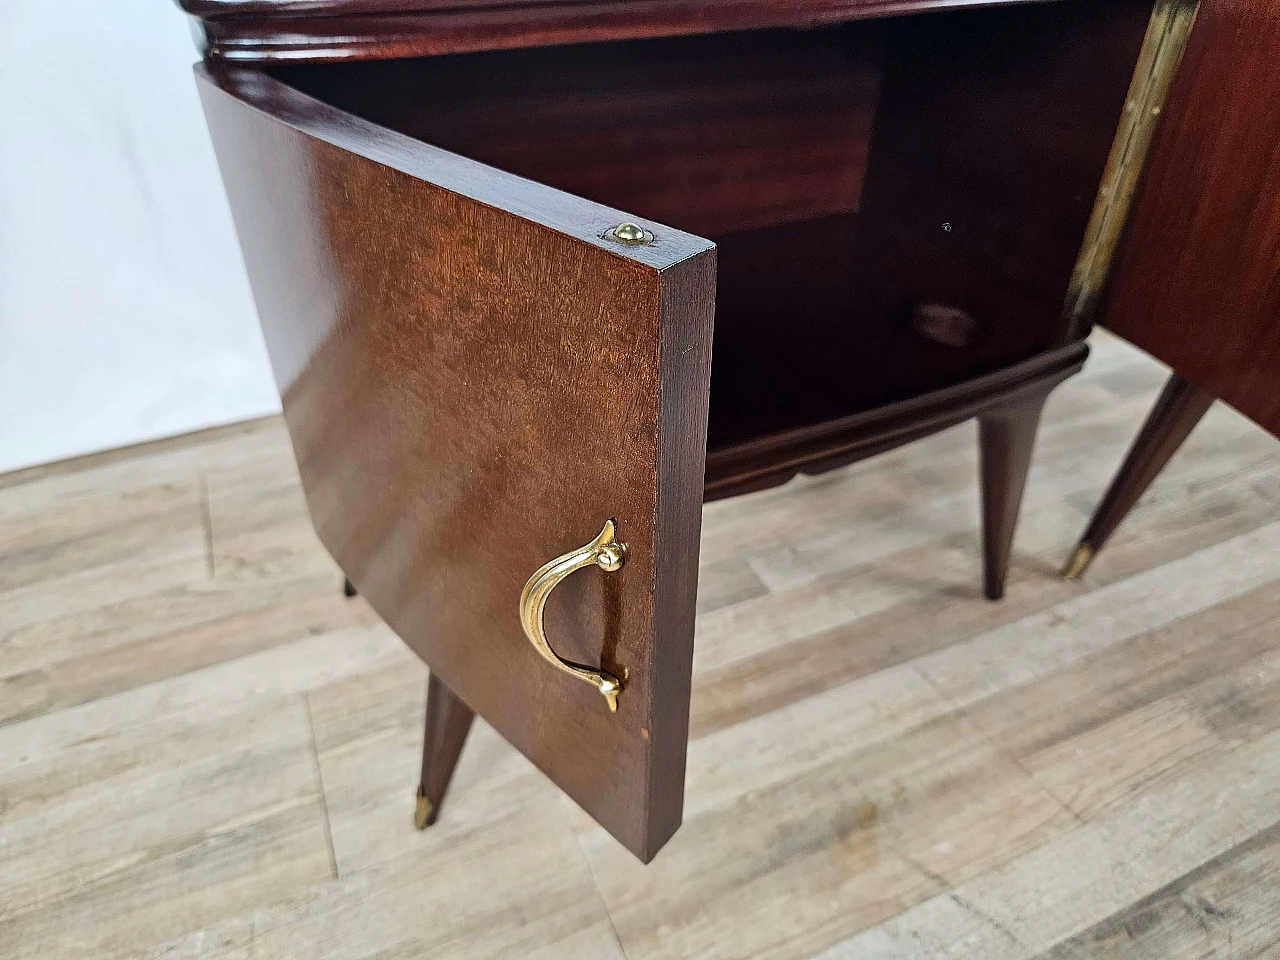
x=1007 y=405
x=991 y=130
x=1006 y=440
x=244 y=9
x=1181 y=406
x=710 y=134
x=463 y=344
x=444 y=735
x=1198 y=280
x=897 y=208
x=990 y=137
x=266 y=30
x=777 y=457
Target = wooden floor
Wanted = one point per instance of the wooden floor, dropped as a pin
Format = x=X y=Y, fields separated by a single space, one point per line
x=206 y=752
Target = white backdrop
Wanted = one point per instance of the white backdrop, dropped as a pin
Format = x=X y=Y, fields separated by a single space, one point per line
x=124 y=311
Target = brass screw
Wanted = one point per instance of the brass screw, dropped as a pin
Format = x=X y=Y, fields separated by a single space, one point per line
x=610 y=556
x=631 y=234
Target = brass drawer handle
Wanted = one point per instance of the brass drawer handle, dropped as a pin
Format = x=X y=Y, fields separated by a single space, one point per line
x=605 y=552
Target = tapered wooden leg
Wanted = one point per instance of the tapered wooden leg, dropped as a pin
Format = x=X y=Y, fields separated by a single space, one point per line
x=348 y=588
x=1006 y=436
x=448 y=721
x=1181 y=406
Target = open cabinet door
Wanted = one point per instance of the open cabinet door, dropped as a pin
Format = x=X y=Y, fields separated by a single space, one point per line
x=475 y=379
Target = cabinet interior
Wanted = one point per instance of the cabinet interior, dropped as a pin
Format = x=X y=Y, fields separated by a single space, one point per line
x=849 y=174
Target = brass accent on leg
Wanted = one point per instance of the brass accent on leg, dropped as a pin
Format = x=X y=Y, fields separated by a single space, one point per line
x=1079 y=562
x=422 y=812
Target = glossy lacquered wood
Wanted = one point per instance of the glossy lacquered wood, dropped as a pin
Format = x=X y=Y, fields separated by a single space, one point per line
x=448 y=722
x=1180 y=407
x=713 y=134
x=474 y=381
x=849 y=176
x=1007 y=406
x=1197 y=283
x=317 y=30
x=1006 y=441
x=777 y=457
x=990 y=139
x=476 y=377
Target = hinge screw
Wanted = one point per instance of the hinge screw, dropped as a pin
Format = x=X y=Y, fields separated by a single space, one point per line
x=629 y=233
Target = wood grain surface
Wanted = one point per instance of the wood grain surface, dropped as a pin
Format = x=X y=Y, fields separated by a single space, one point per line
x=849 y=175
x=1177 y=412
x=709 y=134
x=473 y=373
x=1197 y=282
x=274 y=30
x=207 y=753
x=474 y=382
x=990 y=136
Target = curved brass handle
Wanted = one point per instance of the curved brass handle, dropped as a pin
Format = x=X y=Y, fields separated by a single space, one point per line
x=606 y=553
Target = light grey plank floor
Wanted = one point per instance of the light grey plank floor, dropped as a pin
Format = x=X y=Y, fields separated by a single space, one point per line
x=207 y=752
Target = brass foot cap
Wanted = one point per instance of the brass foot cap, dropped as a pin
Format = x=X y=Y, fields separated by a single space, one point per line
x=1079 y=562
x=422 y=811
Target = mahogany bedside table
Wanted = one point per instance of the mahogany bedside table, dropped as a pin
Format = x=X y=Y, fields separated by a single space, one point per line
x=487 y=241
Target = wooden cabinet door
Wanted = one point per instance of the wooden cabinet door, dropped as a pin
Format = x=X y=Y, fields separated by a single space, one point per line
x=1197 y=282
x=475 y=380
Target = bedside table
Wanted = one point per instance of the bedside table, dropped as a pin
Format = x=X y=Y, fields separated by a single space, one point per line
x=488 y=241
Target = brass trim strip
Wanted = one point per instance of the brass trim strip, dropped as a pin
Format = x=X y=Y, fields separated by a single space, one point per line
x=1162 y=50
